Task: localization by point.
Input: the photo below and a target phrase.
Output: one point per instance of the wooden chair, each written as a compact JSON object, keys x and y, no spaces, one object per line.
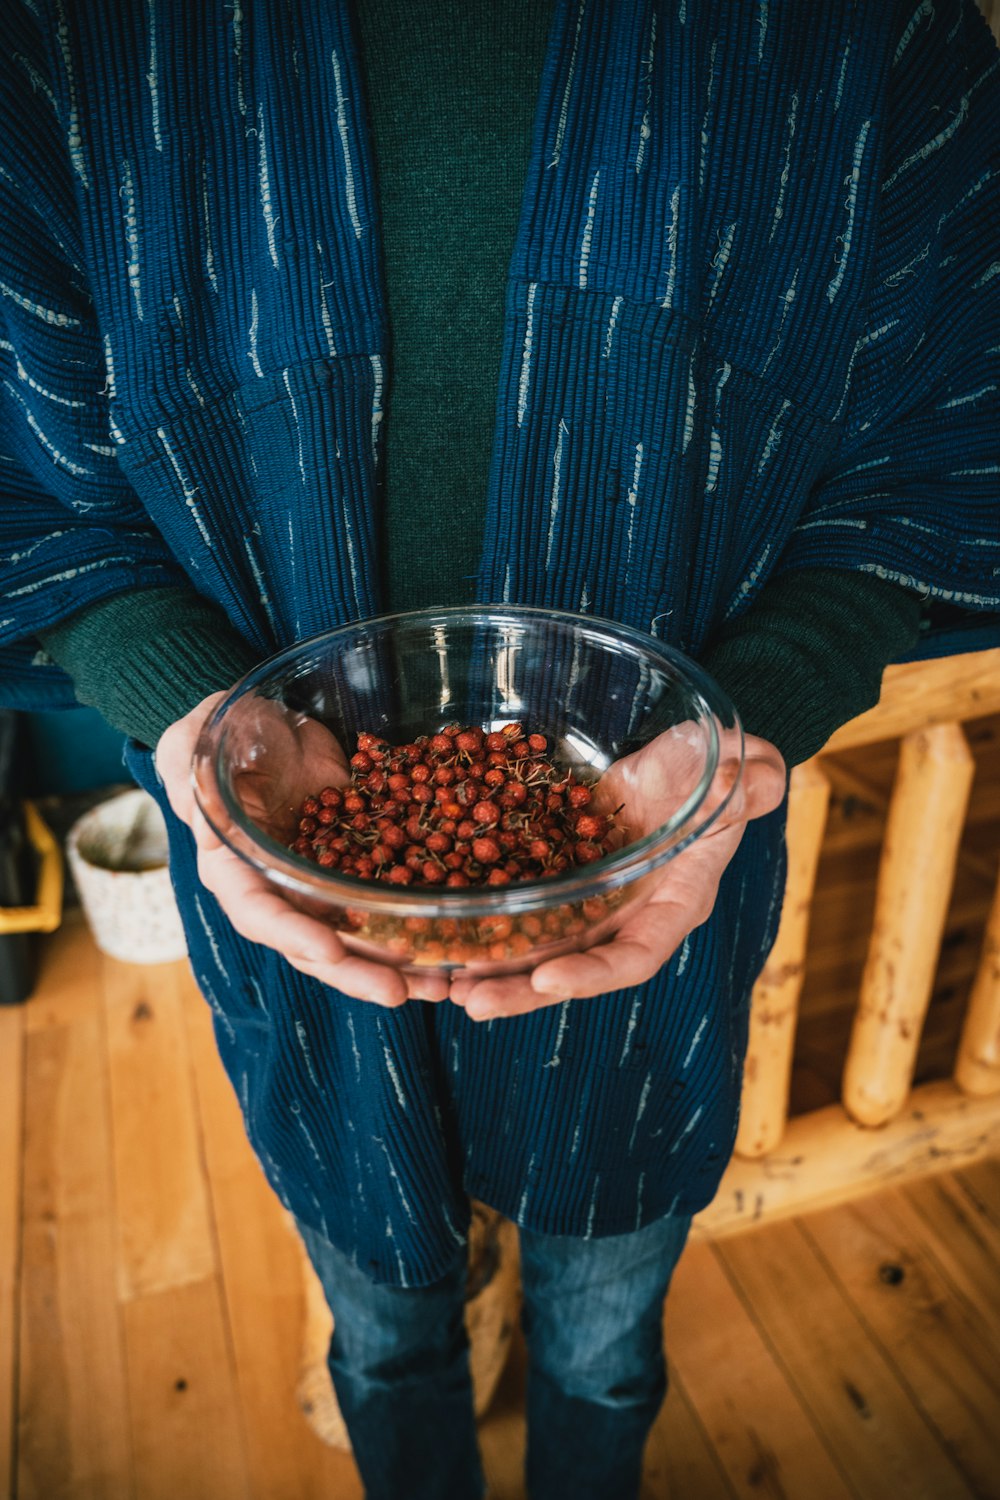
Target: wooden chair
{"x":883,"y":1129}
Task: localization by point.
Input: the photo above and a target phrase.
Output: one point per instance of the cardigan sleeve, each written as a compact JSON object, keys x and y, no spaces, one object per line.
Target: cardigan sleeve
{"x":913,"y":492}
{"x":71,"y":528}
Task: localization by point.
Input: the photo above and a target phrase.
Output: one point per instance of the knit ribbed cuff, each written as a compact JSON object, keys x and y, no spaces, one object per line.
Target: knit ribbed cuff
{"x":809,"y":654}
{"x":145,"y":659}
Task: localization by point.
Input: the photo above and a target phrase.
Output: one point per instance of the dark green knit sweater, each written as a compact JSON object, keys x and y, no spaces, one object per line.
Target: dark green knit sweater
{"x":452,"y":90}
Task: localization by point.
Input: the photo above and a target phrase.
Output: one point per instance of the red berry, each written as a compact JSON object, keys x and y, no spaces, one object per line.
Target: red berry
{"x":498,"y":877}
{"x":586,"y":853}
{"x":400,"y":875}
{"x":420,"y":772}
{"x":331,"y":796}
{"x":578,"y":795}
{"x":538,"y":743}
{"x":362,"y":761}
{"x":486,"y":851}
{"x":486,"y":812}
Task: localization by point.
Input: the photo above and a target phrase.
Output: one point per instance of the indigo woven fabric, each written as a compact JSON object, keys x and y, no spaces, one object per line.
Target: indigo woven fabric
{"x":750,"y":326}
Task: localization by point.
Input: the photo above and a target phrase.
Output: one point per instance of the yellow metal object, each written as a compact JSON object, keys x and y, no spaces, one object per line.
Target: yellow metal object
{"x":46,"y":914}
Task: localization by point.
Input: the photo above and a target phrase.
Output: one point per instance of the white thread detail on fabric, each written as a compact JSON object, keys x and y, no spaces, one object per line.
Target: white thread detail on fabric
{"x":786,"y":303}
{"x":612,"y":322}
{"x":555,"y":1060}
{"x":345,"y":146}
{"x":258,"y":578}
{"x":254,"y":324}
{"x":709,"y":90}
{"x":633,"y":1018}
{"x":589,"y":1235}
{"x":73,"y":136}
{"x":564,"y":108}
{"x":529,"y":333}
{"x":699,"y":1033}
{"x":132,"y":238}
{"x":47,"y":314}
{"x":188,"y":491}
{"x":643,"y":1101}
{"x":241,"y":103}
{"x":152,"y":78}
{"x":54,"y":453}
{"x":267,"y":208}
{"x":209,"y":256}
{"x":632,"y":498}
{"x":675,"y":201}
{"x":721,"y":259}
{"x":715,"y":439}
{"x":691,"y":403}
{"x":588,"y":231}
{"x":644,"y":128}
{"x":687,"y":1129}
{"x":324,"y":307}
{"x":298,"y":425}
{"x":556,"y":482}
{"x":779,"y":207}
{"x":852,"y":200}
{"x":924,"y":10}
{"x":843,"y":73}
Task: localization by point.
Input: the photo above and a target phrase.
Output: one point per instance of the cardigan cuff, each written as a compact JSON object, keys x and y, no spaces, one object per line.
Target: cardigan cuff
{"x":145,"y":659}
{"x":809,"y":654}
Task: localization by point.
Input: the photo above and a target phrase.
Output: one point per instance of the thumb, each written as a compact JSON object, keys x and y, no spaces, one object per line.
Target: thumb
{"x":765,"y":777}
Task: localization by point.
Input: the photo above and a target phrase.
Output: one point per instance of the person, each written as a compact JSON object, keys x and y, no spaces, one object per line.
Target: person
{"x":678,"y":314}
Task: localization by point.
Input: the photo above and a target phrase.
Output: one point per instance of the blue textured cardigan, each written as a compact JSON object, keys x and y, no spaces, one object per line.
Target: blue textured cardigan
{"x":752,"y":323}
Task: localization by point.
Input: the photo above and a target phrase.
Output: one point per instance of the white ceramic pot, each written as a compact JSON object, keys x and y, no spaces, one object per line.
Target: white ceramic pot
{"x":118,"y":855}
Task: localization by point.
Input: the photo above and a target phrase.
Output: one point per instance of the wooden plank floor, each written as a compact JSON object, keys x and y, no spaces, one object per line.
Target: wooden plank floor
{"x":151,"y":1308}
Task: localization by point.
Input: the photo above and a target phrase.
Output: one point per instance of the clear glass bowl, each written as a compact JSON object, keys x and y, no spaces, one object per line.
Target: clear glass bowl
{"x":636,"y":719}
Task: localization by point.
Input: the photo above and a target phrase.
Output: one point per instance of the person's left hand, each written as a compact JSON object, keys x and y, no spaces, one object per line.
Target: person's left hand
{"x":682,"y":896}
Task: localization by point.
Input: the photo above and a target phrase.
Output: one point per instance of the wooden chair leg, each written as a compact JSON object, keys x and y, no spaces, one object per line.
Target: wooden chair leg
{"x":977,"y":1070}
{"x":775,"y":1004}
{"x":926,"y":817}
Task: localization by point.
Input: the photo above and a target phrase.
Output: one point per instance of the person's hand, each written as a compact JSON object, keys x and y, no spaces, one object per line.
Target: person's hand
{"x":684,"y":891}
{"x":254,"y":907}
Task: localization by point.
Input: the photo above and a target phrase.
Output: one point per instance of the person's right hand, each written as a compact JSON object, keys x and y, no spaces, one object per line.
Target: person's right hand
{"x":254,"y":907}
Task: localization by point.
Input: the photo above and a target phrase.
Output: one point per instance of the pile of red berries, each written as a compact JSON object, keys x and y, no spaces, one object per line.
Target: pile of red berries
{"x":459,"y":808}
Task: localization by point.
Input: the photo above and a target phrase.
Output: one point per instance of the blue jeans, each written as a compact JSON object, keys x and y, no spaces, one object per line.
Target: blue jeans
{"x":596,"y":1375}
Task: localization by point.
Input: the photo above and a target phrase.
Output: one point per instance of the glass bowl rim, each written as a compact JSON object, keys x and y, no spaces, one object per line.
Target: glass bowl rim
{"x":282,"y":867}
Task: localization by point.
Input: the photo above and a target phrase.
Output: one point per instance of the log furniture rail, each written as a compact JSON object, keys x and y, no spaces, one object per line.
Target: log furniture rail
{"x":884,"y":1129}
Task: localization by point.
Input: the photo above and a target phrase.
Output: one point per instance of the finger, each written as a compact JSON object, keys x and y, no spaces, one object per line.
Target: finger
{"x":260,"y":915}
{"x":489,"y":999}
{"x":612,"y":966}
{"x":358,"y":978}
{"x":205,"y":836}
{"x":432,"y":987}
